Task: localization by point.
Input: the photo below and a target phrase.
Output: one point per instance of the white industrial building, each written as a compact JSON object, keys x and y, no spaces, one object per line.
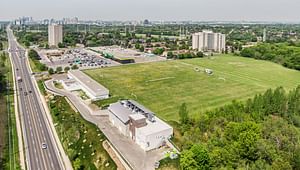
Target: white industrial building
{"x":80,"y":81}
{"x":55,"y":35}
{"x":208,"y":41}
{"x":140,"y":124}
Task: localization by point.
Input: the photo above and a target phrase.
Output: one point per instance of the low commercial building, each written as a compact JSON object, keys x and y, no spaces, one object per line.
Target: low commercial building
{"x":140,"y":124}
{"x":80,"y":81}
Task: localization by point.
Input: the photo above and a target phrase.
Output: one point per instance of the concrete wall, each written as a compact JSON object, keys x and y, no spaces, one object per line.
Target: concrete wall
{"x":195,"y":40}
{"x":152,"y":141}
{"x":92,"y":97}
{"x":124,"y":129}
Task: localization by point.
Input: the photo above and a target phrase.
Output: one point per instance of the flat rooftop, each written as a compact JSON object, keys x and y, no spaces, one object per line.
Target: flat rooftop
{"x":96,"y":88}
{"x":123,"y":113}
{"x":124,"y":54}
{"x":154,"y":127}
{"x":120,"y":111}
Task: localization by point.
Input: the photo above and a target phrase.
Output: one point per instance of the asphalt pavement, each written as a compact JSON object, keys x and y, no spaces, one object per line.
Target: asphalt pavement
{"x":36,"y":130}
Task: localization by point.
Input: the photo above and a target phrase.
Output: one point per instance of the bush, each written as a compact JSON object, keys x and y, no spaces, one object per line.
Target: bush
{"x":66,"y":69}
{"x":59,"y":69}
{"x":33,"y":55}
{"x":74,"y":67}
{"x":50,"y":71}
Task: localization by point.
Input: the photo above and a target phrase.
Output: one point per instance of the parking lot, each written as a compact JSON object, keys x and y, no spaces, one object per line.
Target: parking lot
{"x":83,"y":58}
{"x":122,"y":53}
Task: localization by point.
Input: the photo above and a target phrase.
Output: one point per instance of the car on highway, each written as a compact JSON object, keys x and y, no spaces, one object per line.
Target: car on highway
{"x":44,"y":146}
{"x":19,"y":79}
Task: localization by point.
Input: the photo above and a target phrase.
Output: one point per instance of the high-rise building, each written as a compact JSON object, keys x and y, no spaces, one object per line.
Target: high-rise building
{"x":264,"y":35}
{"x":208,"y":41}
{"x":55,"y":35}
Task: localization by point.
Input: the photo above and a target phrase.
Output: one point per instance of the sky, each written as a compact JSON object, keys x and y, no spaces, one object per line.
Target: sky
{"x":159,"y":10}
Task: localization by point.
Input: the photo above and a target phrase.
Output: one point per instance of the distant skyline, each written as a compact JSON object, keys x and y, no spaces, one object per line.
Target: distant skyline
{"x":196,"y":10}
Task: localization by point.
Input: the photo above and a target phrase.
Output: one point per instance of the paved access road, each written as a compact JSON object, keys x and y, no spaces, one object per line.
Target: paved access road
{"x":135,"y":157}
{"x":35,"y":127}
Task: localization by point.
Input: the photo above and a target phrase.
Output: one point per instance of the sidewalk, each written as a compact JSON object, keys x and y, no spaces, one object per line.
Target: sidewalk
{"x":136,"y":157}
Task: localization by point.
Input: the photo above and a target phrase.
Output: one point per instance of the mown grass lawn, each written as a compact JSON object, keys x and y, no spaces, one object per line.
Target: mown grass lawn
{"x":164,"y":86}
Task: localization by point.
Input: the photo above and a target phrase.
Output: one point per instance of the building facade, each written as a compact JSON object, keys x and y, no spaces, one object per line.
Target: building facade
{"x":55,"y":35}
{"x":209,"y":41}
{"x":139,"y":124}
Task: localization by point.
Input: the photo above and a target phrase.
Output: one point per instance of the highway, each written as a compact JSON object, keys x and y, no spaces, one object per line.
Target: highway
{"x":36,"y":130}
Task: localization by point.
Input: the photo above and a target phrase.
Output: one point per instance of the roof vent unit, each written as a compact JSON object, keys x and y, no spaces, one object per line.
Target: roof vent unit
{"x":123,"y":103}
{"x":150,"y":117}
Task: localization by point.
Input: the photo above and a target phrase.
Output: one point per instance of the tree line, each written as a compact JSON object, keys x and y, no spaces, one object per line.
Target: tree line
{"x":284,"y":54}
{"x":35,"y":57}
{"x":261,"y":133}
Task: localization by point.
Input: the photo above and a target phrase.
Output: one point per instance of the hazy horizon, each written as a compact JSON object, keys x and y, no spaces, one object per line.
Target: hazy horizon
{"x":175,"y":10}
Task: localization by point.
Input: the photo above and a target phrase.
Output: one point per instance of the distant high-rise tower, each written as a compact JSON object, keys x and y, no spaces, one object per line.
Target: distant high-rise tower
{"x":55,"y":35}
{"x":265,"y":35}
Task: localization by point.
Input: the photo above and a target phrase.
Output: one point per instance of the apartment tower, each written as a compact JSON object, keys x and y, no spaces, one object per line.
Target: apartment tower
{"x":55,"y":35}
{"x":208,"y":41}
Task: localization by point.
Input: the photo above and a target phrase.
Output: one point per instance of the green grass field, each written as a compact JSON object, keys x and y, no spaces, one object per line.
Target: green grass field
{"x":164,"y":86}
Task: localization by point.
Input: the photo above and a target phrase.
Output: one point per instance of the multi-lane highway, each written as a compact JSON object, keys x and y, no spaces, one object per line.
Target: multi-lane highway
{"x":40,"y":148}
